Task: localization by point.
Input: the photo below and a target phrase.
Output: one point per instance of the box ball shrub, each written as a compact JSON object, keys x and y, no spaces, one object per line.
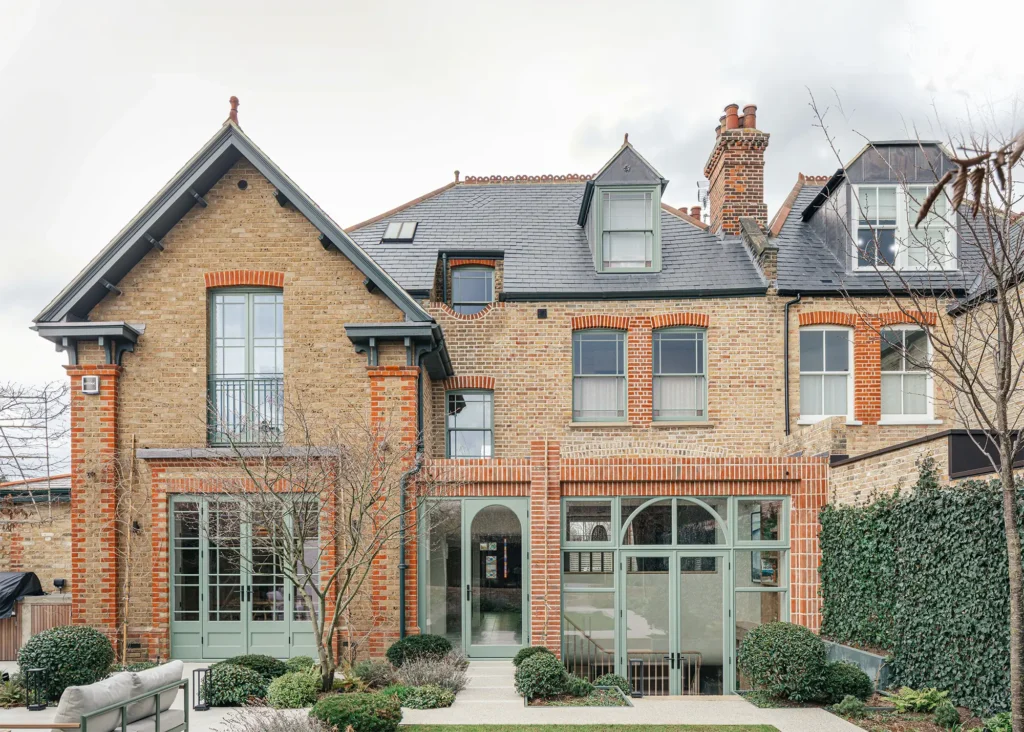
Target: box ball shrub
{"x":294,"y":690}
{"x":946,"y":715}
{"x":377,"y":712}
{"x":577,"y":686}
{"x":228,"y":685}
{"x":417,"y":646}
{"x":526,"y":652}
{"x":783,"y":660}
{"x":70,"y":655}
{"x":541,"y":675}
{"x":843,"y":679}
{"x":266,"y":666}
{"x":614,"y":680}
{"x":851,"y":707}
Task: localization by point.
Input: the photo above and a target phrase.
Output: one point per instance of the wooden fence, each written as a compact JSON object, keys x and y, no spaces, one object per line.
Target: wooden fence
{"x":32,"y":615}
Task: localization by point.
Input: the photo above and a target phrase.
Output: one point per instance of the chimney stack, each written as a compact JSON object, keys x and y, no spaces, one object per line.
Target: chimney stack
{"x":735,"y":172}
{"x":695,"y":212}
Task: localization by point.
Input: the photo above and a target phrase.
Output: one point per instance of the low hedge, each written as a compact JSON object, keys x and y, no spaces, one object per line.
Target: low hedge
{"x":614,"y":680}
{"x":70,"y":655}
{"x":923,"y":574}
{"x":417,"y":646}
{"x":228,"y":685}
{"x":376,"y":712}
{"x":266,"y":666}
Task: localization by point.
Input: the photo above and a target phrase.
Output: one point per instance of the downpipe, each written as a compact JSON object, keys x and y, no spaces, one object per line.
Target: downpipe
{"x":785,"y":358}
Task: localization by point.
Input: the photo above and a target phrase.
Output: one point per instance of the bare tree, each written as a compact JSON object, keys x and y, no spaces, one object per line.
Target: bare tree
{"x":976,"y":342}
{"x":323,"y":506}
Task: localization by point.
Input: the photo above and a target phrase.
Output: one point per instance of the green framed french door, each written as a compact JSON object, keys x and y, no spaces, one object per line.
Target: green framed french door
{"x":495,"y":562}
{"x":675,"y":609}
{"x":228,"y":593}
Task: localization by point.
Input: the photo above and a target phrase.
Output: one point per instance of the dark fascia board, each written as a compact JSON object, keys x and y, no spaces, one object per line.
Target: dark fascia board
{"x":872,"y":292}
{"x":475,"y":253}
{"x":86,"y":330}
{"x":823,"y":194}
{"x":896,"y":447}
{"x":427,"y":335}
{"x":176,"y":199}
{"x":636,"y":295}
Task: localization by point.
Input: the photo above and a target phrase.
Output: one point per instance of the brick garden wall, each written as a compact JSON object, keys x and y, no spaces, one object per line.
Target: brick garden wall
{"x":41,"y":544}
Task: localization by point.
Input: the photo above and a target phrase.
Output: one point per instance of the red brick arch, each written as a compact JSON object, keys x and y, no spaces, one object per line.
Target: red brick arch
{"x":828,"y":317}
{"x":915,"y":317}
{"x":469,"y":382}
{"x":614,"y":322}
{"x":241,"y":277}
{"x":476,"y":262}
{"x":668,"y":320}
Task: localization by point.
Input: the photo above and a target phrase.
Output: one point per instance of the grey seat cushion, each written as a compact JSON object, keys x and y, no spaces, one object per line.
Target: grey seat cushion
{"x":168,"y":720}
{"x":79,"y":700}
{"x":150,"y":680}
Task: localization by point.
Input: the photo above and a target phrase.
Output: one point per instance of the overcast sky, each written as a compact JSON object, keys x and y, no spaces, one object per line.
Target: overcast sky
{"x":369,"y":104}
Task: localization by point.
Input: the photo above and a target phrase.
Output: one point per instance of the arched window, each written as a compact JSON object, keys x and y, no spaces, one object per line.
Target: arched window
{"x":667,"y":521}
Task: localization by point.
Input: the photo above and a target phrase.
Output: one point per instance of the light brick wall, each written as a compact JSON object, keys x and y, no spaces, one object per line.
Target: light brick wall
{"x":41,"y":544}
{"x":860,"y":481}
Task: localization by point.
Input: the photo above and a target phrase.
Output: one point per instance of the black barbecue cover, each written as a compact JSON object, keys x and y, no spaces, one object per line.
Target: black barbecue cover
{"x":14,"y":585}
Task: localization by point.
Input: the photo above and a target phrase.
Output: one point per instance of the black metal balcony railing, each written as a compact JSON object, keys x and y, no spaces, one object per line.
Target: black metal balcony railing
{"x":246,"y":410}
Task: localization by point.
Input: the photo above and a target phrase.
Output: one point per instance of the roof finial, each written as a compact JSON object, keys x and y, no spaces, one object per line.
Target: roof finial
{"x":625,"y":139}
{"x":456,"y":176}
{"x":233,"y":114}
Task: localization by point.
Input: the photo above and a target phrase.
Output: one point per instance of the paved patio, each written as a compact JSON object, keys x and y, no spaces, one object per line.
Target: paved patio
{"x":491,"y":699}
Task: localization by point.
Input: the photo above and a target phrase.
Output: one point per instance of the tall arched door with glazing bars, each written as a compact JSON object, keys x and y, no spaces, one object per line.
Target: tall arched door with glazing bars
{"x":662,"y":590}
{"x":228,"y":593}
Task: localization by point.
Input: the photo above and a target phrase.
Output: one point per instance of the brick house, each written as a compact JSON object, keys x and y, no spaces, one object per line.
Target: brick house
{"x":639,"y":407}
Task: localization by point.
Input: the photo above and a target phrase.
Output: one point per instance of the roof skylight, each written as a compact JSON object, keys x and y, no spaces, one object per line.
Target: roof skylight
{"x":400,"y":231}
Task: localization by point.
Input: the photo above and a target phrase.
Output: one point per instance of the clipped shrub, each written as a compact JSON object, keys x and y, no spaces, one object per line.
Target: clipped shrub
{"x":785,"y":661}
{"x":266,"y":666}
{"x":301,"y":663}
{"x":417,"y":646}
{"x":448,"y":672}
{"x":912,"y":700}
{"x":541,"y":675}
{"x":843,"y":679}
{"x":12,"y":694}
{"x":375,"y":674}
{"x":614,"y":680}
{"x":294,"y":690}
{"x":402,"y":691}
{"x":374,"y":712}
{"x":576,"y":686}
{"x":526,"y":652}
{"x":70,"y":655}
{"x":851,"y":707}
{"x":430,"y":696}
{"x":1001,"y":722}
{"x":946,"y":715}
{"x":270,"y":720}
{"x":228,"y":685}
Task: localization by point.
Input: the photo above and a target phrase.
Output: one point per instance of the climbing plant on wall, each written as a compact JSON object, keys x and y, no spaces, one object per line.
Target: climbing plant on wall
{"x":923,"y":575}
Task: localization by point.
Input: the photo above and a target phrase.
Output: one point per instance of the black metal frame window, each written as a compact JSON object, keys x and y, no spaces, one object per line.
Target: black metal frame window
{"x":469,"y":424}
{"x":599,"y":376}
{"x":680,"y":374}
{"x":472,"y":289}
{"x":246,"y":381}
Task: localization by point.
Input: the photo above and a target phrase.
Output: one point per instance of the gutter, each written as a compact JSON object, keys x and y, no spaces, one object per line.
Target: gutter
{"x":785,"y":358}
{"x":635,"y":294}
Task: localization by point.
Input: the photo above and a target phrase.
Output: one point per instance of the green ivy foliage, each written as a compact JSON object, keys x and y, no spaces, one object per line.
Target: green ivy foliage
{"x":923,"y":574}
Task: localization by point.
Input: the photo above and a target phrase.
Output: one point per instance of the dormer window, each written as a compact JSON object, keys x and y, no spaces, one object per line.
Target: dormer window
{"x":400,"y":231}
{"x":627,"y":229}
{"x":886,"y":238}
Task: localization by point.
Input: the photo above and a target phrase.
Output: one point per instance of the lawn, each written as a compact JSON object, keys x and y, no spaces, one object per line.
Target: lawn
{"x":591,"y":727}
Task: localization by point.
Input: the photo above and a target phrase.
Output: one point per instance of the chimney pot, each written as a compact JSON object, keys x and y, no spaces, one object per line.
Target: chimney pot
{"x":233,"y":114}
{"x":732,"y":120}
{"x":695,"y":212}
{"x":750,"y":116}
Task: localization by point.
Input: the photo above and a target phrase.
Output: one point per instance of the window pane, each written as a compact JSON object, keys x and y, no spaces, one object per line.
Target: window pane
{"x":625,"y":210}
{"x":599,"y":397}
{"x":811,"y":395}
{"x":837,"y":350}
{"x":760,"y":520}
{"x":754,"y":609}
{"x":835,"y":395}
{"x":466,"y":443}
{"x":392,"y":231}
{"x":678,"y":396}
{"x":887,"y":206}
{"x":892,"y":349}
{"x":917,"y":350}
{"x":585,"y":570}
{"x":231,"y":316}
{"x":442,"y":602}
{"x":407,"y":231}
{"x":470,"y":410}
{"x":626,"y":249}
{"x":892,"y":394}
{"x":588,"y":520}
{"x":868,"y":206}
{"x":473,"y":286}
{"x":600,"y":353}
{"x":696,"y":525}
{"x":678,"y":353}
{"x":588,"y":633}
{"x":915,"y":394}
{"x":653,"y":525}
{"x":811,"y":350}
{"x":758,"y":569}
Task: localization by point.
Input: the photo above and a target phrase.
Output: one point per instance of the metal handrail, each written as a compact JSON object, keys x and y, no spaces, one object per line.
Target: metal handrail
{"x":245,"y":408}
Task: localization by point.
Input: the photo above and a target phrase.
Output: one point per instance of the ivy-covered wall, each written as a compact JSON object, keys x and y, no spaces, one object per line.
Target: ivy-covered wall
{"x":923,"y":575}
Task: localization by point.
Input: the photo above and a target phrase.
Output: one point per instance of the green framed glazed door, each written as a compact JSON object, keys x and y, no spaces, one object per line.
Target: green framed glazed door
{"x":268,"y":595}
{"x":225,"y":619}
{"x":702,"y":658}
{"x":187,"y":570}
{"x":649,"y":621}
{"x":495,"y":568}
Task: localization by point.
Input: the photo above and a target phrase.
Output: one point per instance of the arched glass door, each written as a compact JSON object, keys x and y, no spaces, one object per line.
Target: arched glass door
{"x":495,"y":561}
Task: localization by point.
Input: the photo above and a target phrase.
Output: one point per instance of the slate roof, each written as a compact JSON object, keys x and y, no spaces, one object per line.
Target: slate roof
{"x":807,"y":264}
{"x":534,"y":225}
